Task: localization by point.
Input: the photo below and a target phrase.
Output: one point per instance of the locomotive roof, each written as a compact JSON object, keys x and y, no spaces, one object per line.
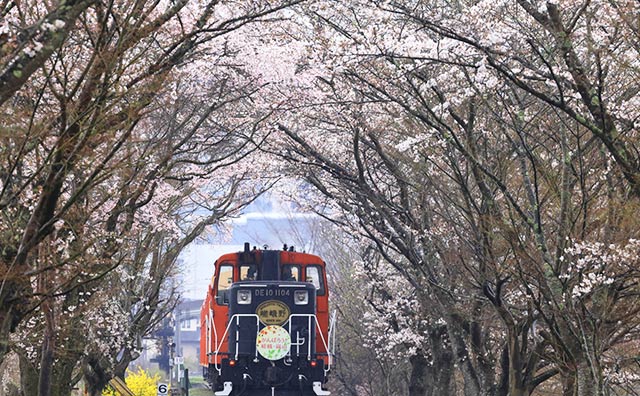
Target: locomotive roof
{"x":315,"y":259}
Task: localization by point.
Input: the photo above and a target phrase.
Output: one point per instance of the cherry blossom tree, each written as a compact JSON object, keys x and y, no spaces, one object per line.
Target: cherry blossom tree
{"x":464,"y":139}
{"x":121,"y":152}
{"x":372,"y":350}
{"x":486,"y":149}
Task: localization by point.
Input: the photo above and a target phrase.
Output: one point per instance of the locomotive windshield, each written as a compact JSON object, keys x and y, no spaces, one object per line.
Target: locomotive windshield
{"x":314,"y":275}
{"x":290,"y":273}
{"x":225,"y":279}
{"x":248,"y":272}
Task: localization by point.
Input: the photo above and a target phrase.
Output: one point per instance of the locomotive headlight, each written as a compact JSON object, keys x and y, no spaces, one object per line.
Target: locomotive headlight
{"x":244,"y":297}
{"x":301,"y":297}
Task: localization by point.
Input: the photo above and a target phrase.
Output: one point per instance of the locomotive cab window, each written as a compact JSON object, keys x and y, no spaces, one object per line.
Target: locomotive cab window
{"x":290,"y":273}
{"x":248,"y":272}
{"x":314,"y":275}
{"x":225,"y":279}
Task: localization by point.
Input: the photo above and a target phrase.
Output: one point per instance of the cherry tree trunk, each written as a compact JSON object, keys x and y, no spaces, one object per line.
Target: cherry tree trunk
{"x":28,"y":377}
{"x":441,"y":370}
{"x":11,"y":312}
{"x":48,"y":344}
{"x":5,"y":330}
{"x":419,"y":375}
{"x":568,"y":384}
{"x":517,"y":385}
{"x":62,"y":381}
{"x":472,"y":386}
{"x":587,"y":384}
{"x":432,"y":378}
{"x":95,"y":376}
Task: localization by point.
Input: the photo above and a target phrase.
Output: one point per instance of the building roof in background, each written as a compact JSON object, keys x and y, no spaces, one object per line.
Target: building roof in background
{"x":190,"y":305}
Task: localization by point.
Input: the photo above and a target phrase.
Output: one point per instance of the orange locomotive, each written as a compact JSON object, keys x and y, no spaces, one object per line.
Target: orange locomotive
{"x":265,"y":326}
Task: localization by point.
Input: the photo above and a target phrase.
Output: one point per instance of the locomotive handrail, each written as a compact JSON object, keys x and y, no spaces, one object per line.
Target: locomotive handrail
{"x":328,"y":346}
{"x":308,"y":316}
{"x":333,"y":324}
{"x":211,"y":325}
{"x":324,"y":342}
{"x":237,"y":318}
{"x":215,"y":332}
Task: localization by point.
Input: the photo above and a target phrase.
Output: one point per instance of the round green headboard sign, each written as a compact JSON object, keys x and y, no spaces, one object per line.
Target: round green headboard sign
{"x":273,"y":342}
